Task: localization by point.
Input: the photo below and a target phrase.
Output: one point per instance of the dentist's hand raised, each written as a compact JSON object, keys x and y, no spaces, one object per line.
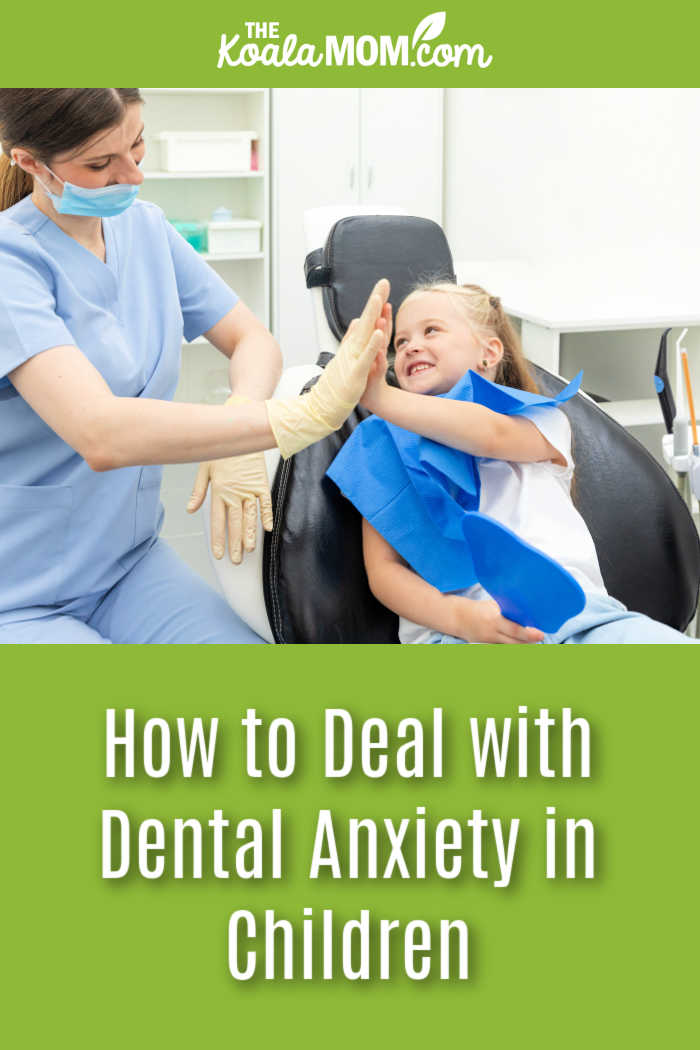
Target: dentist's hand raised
{"x":300,"y":421}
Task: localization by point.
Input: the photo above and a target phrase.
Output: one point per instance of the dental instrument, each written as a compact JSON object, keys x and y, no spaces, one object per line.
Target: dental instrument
{"x":663,"y":386}
{"x":676,"y":443}
{"x":680,"y":422}
{"x":691,"y":406}
{"x":694,"y":473}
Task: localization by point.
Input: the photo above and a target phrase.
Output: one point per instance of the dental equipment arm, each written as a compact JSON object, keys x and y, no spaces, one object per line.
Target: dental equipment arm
{"x":680,"y":422}
{"x":662,"y":384}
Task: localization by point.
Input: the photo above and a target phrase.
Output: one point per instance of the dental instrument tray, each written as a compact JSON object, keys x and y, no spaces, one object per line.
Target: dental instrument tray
{"x":360,"y":249}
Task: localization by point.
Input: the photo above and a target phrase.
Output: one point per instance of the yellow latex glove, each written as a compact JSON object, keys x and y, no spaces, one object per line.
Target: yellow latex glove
{"x":299,"y":421}
{"x":238,"y":484}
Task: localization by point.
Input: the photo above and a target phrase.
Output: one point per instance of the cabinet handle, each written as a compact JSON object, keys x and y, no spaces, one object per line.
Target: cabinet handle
{"x":370,"y":175}
{"x":352,"y":176}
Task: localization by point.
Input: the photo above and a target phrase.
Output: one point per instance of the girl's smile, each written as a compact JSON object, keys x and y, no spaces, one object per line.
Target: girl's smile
{"x":435,"y":344}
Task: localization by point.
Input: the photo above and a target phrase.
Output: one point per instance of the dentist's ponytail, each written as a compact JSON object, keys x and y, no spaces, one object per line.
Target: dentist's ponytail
{"x":14,"y":183}
{"x":49,"y":121}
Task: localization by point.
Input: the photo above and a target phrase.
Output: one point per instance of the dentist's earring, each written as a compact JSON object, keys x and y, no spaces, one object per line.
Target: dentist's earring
{"x":484,"y":364}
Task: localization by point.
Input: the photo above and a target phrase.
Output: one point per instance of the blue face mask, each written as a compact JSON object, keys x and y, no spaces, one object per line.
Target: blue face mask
{"x":102,"y":202}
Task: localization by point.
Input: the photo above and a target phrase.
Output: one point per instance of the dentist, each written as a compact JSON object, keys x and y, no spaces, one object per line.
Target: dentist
{"x":96,"y":292}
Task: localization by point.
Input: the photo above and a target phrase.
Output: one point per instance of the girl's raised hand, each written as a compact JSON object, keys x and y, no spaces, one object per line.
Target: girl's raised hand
{"x":385,"y":322}
{"x":376,"y":380}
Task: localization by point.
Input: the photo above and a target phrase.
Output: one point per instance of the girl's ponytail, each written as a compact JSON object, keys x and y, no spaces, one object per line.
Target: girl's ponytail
{"x":513,"y":368}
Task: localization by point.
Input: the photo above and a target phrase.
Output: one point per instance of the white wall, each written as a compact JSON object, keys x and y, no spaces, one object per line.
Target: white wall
{"x":608,"y":173}
{"x":608,"y":177}
{"x":345,"y":147}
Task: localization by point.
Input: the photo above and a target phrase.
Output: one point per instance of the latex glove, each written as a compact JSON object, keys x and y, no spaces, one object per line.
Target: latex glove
{"x":298,"y":422}
{"x":238,"y":484}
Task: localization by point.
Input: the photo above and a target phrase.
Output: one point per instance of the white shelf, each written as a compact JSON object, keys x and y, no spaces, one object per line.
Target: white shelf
{"x":231,"y":256}
{"x":185,"y":194}
{"x":203,"y":174}
{"x":641,"y":413}
{"x":204,"y":91}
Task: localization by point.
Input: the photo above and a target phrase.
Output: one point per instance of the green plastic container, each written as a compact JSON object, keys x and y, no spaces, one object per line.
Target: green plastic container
{"x":195,"y":233}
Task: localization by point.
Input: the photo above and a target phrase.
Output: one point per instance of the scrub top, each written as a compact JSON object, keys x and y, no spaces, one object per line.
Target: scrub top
{"x":65,"y":531}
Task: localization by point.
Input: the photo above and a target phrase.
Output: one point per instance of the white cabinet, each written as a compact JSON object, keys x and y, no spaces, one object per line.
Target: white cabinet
{"x":193,"y":196}
{"x":345,"y":146}
{"x":401,"y":149}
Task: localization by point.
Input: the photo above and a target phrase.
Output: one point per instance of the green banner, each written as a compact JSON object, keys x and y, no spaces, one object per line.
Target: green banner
{"x":562,"y":849}
{"x":509,"y":44}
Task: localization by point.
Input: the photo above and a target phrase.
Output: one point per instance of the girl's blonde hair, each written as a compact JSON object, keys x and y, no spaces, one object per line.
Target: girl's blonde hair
{"x":487,"y":318}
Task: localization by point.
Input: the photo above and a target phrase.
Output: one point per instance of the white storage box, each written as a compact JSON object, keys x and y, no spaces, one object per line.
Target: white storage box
{"x":239,"y":236}
{"x":215,"y":151}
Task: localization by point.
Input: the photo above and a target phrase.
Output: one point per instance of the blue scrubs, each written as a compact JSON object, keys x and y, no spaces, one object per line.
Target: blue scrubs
{"x":70,"y":538}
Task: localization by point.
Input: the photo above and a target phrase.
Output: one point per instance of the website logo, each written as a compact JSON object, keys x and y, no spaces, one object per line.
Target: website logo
{"x":261,"y":44}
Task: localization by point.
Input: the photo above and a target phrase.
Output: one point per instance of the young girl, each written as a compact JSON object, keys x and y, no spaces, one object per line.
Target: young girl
{"x":525,"y":469}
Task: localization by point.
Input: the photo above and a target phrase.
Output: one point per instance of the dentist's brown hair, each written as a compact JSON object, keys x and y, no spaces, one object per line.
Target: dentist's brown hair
{"x":49,"y":121}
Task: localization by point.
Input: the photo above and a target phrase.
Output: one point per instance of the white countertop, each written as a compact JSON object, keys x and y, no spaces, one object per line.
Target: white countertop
{"x":587,"y":295}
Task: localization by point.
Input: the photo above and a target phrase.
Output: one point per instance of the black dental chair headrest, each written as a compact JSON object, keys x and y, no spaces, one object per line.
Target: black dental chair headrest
{"x":361,"y":249}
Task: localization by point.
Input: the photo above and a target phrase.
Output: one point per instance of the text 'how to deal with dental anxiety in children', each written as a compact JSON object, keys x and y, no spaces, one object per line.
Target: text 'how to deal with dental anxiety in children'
{"x":420,"y":845}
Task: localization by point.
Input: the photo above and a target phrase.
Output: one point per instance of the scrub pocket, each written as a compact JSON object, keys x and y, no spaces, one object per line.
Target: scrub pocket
{"x":34,"y":522}
{"x":149,"y":513}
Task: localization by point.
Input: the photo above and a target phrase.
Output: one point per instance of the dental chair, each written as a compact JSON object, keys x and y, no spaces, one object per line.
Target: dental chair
{"x":306,"y":582}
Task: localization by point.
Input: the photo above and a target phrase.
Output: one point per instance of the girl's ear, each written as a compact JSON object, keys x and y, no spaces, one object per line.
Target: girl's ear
{"x":493,"y":351}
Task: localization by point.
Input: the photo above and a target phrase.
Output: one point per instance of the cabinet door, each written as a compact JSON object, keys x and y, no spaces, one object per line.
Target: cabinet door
{"x":315,"y":156}
{"x":402,"y":149}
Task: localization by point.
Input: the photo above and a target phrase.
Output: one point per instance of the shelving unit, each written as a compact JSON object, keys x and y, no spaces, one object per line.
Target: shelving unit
{"x":193,"y":196}
{"x":205,"y":174}
{"x":238,"y":257}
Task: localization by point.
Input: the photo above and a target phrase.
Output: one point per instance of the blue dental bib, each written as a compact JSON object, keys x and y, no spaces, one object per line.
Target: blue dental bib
{"x":423,"y":498}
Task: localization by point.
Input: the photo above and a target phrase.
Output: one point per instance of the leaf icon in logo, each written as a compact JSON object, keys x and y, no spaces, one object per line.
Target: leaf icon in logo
{"x":430,"y":27}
